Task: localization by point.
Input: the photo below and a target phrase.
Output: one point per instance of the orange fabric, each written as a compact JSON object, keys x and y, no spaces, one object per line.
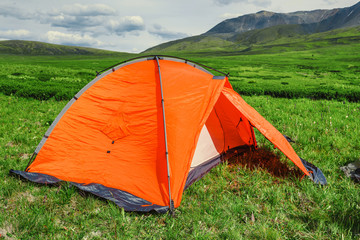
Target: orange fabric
{"x":190,"y":96}
{"x":113,"y":134}
{"x":236,"y":128}
{"x":268,"y":130}
{"x":228,"y":127}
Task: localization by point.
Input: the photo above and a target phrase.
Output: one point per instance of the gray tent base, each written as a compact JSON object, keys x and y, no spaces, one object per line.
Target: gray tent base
{"x":133,"y":203}
{"x":121,"y":198}
{"x":316,"y":175}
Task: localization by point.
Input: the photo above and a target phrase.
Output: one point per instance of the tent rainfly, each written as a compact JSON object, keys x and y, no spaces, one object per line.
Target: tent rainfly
{"x":143,"y":131}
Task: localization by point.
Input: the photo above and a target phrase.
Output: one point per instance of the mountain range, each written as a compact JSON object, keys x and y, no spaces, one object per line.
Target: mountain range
{"x":265,"y":26}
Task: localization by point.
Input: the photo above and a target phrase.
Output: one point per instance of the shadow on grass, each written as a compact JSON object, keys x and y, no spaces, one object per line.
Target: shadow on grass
{"x":265,"y":159}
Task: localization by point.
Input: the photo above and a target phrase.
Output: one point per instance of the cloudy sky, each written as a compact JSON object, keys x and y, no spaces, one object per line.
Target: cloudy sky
{"x":131,"y":25}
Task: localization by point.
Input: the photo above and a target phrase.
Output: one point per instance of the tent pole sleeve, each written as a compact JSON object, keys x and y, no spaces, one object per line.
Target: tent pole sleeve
{"x":171,"y":202}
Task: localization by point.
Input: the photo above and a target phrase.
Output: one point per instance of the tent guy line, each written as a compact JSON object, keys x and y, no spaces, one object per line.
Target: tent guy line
{"x":143,"y":131}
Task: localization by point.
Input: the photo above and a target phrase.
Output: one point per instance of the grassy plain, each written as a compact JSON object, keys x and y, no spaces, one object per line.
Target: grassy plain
{"x":331,"y":72}
{"x":244,"y":198}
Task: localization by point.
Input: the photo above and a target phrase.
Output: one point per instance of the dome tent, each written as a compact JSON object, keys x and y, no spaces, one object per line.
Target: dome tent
{"x":144,"y":130}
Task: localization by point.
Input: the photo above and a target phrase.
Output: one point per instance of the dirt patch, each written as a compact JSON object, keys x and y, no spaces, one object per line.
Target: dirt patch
{"x":6,"y":232}
{"x":24,"y":156}
{"x":265,"y":159}
{"x":10,"y":144}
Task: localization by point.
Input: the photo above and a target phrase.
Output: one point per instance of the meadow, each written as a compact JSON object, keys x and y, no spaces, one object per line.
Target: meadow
{"x":311,"y":96}
{"x":330,"y":72}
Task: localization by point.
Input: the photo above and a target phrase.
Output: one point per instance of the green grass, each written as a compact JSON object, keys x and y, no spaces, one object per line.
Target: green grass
{"x":48,"y":77}
{"x":232,"y":201}
{"x":244,"y":198}
{"x":321,"y":73}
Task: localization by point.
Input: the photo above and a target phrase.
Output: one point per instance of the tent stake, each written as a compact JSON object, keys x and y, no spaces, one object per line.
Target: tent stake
{"x":171,"y":202}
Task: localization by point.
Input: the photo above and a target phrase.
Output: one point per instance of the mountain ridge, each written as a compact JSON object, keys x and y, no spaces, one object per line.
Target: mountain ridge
{"x":242,"y":31}
{"x":264,"y":19}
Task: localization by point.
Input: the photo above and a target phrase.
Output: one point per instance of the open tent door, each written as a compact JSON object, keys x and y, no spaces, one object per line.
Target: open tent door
{"x":273,"y":135}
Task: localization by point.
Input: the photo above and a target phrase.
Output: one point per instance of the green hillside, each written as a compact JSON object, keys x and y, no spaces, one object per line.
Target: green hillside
{"x":33,"y":48}
{"x":214,"y":42}
{"x":289,"y":37}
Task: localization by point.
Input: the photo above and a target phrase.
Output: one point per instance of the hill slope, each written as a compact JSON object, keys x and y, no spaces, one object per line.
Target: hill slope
{"x":265,"y":19}
{"x":289,"y":37}
{"x":263,"y":28}
{"x":317,"y":20}
{"x":40,"y":48}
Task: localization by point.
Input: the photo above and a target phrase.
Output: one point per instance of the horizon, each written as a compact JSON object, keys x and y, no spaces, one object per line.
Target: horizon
{"x":123,"y":27}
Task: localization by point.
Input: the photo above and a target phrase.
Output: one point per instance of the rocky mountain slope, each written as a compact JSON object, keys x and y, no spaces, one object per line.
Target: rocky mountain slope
{"x":264,"y":26}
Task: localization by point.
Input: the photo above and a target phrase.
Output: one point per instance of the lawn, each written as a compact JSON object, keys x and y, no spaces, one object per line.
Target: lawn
{"x":246,"y":197}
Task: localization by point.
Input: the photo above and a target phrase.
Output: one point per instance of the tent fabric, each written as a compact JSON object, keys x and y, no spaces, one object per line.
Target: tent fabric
{"x":120,"y":198}
{"x":110,"y":140}
{"x":268,"y":130}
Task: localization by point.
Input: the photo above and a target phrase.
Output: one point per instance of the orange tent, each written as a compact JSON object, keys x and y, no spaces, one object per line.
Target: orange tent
{"x":144,"y":130}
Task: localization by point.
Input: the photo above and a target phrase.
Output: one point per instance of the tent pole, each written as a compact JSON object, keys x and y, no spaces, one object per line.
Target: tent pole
{"x":171,"y":202}
{"x":30,"y":161}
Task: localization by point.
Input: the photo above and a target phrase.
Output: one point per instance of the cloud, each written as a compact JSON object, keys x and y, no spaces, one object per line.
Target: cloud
{"x":230,"y":15}
{"x":158,"y":30}
{"x":15,"y":13}
{"x":15,"y":34}
{"x":78,"y":17}
{"x":74,"y":23}
{"x":126,"y":24}
{"x":330,"y":1}
{"x":72,"y":39}
{"x":85,"y":10}
{"x":260,"y":3}
{"x":97,"y":19}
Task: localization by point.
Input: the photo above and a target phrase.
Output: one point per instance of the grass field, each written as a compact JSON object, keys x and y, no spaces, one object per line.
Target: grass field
{"x":244,"y":198}
{"x":331,"y":72}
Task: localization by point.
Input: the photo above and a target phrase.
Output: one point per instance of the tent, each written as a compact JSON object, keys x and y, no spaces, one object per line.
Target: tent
{"x":143,"y":131}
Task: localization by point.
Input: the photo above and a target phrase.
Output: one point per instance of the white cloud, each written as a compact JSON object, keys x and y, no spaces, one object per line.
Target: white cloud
{"x":126,"y":24}
{"x":8,"y":11}
{"x":78,"y":17}
{"x":85,"y":10}
{"x":15,"y":34}
{"x":262,"y":3}
{"x":74,"y":23}
{"x":158,"y":30}
{"x":230,"y":15}
{"x":227,"y":2}
{"x":97,"y":19}
{"x":72,"y":39}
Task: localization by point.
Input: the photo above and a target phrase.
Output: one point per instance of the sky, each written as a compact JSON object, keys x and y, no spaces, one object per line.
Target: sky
{"x":131,"y":25}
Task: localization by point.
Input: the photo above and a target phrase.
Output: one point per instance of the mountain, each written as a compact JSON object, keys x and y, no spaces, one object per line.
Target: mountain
{"x":265,"y":19}
{"x":264,"y":27}
{"x":39,"y":48}
{"x":344,"y":17}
